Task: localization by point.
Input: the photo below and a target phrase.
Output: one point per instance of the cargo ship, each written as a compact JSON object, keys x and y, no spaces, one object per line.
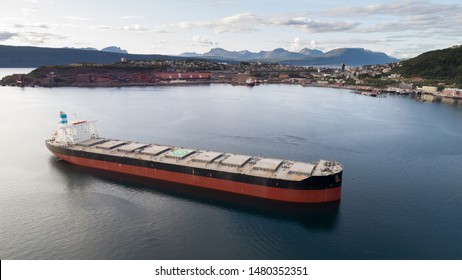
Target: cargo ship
{"x":78,"y":142}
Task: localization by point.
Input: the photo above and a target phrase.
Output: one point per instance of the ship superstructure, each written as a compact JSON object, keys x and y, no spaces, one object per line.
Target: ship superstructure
{"x":72,"y":133}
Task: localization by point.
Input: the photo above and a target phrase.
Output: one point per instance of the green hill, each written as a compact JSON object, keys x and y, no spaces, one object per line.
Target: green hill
{"x":445,"y":65}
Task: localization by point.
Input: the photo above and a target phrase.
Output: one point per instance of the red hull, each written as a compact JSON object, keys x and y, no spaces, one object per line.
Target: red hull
{"x":280,"y":194}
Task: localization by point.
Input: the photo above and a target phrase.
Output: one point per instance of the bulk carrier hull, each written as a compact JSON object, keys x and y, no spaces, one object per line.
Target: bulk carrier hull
{"x":310,"y":190}
{"x":273,"y":179}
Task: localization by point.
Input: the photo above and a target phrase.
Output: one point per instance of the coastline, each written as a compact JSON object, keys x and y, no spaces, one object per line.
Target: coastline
{"x":117,"y":76}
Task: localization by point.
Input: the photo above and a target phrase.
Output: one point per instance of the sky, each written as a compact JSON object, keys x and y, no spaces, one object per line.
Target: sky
{"x":402,"y":29}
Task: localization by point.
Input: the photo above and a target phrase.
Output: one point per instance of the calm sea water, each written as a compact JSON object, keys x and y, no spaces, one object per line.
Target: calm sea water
{"x":401,"y":198}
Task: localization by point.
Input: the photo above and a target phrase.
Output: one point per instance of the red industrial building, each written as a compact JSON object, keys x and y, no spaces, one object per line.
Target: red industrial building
{"x":183,"y":75}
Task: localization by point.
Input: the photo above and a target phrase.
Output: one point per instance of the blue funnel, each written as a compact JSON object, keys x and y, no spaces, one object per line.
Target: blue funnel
{"x":63,"y":117}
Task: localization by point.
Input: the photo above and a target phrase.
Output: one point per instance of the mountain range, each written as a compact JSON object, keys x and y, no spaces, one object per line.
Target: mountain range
{"x":274,"y":55}
{"x":113,"y":49}
{"x":305,"y":57}
{"x":22,"y":56}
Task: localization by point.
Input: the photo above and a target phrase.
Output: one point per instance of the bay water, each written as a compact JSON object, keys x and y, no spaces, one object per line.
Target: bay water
{"x":401,"y":193}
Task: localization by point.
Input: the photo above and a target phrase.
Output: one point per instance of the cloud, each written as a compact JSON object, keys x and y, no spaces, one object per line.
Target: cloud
{"x":409,"y":51}
{"x":244,"y":22}
{"x":135,"y":27}
{"x":31,"y":25}
{"x":73,"y":25}
{"x":28,"y":11}
{"x":12,"y":19}
{"x":102,"y":27}
{"x":410,"y":15}
{"x":433,"y":25}
{"x":201,"y":41}
{"x":165,"y":44}
{"x":37,"y":37}
{"x":297,"y":44}
{"x":247,"y":22}
{"x":238,"y":23}
{"x":313,"y":26}
{"x":130,"y":17}
{"x":39,"y":1}
{"x":75,"y":18}
{"x":223,"y":3}
{"x":313,"y":44}
{"x":4,"y":35}
{"x":401,"y":8}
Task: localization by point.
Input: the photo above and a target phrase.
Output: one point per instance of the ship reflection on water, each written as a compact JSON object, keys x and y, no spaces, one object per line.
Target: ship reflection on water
{"x":322,"y":216}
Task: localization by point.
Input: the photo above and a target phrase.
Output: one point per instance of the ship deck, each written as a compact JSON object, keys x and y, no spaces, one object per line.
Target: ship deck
{"x":218,"y":161}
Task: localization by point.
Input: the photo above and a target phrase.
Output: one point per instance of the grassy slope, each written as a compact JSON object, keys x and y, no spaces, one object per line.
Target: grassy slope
{"x":437,"y":65}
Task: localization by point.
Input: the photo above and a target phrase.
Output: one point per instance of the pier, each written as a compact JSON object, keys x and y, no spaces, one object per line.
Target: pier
{"x":439,"y":98}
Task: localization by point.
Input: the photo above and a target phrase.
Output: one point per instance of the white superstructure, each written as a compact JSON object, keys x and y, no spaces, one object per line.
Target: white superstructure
{"x":74,"y":132}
